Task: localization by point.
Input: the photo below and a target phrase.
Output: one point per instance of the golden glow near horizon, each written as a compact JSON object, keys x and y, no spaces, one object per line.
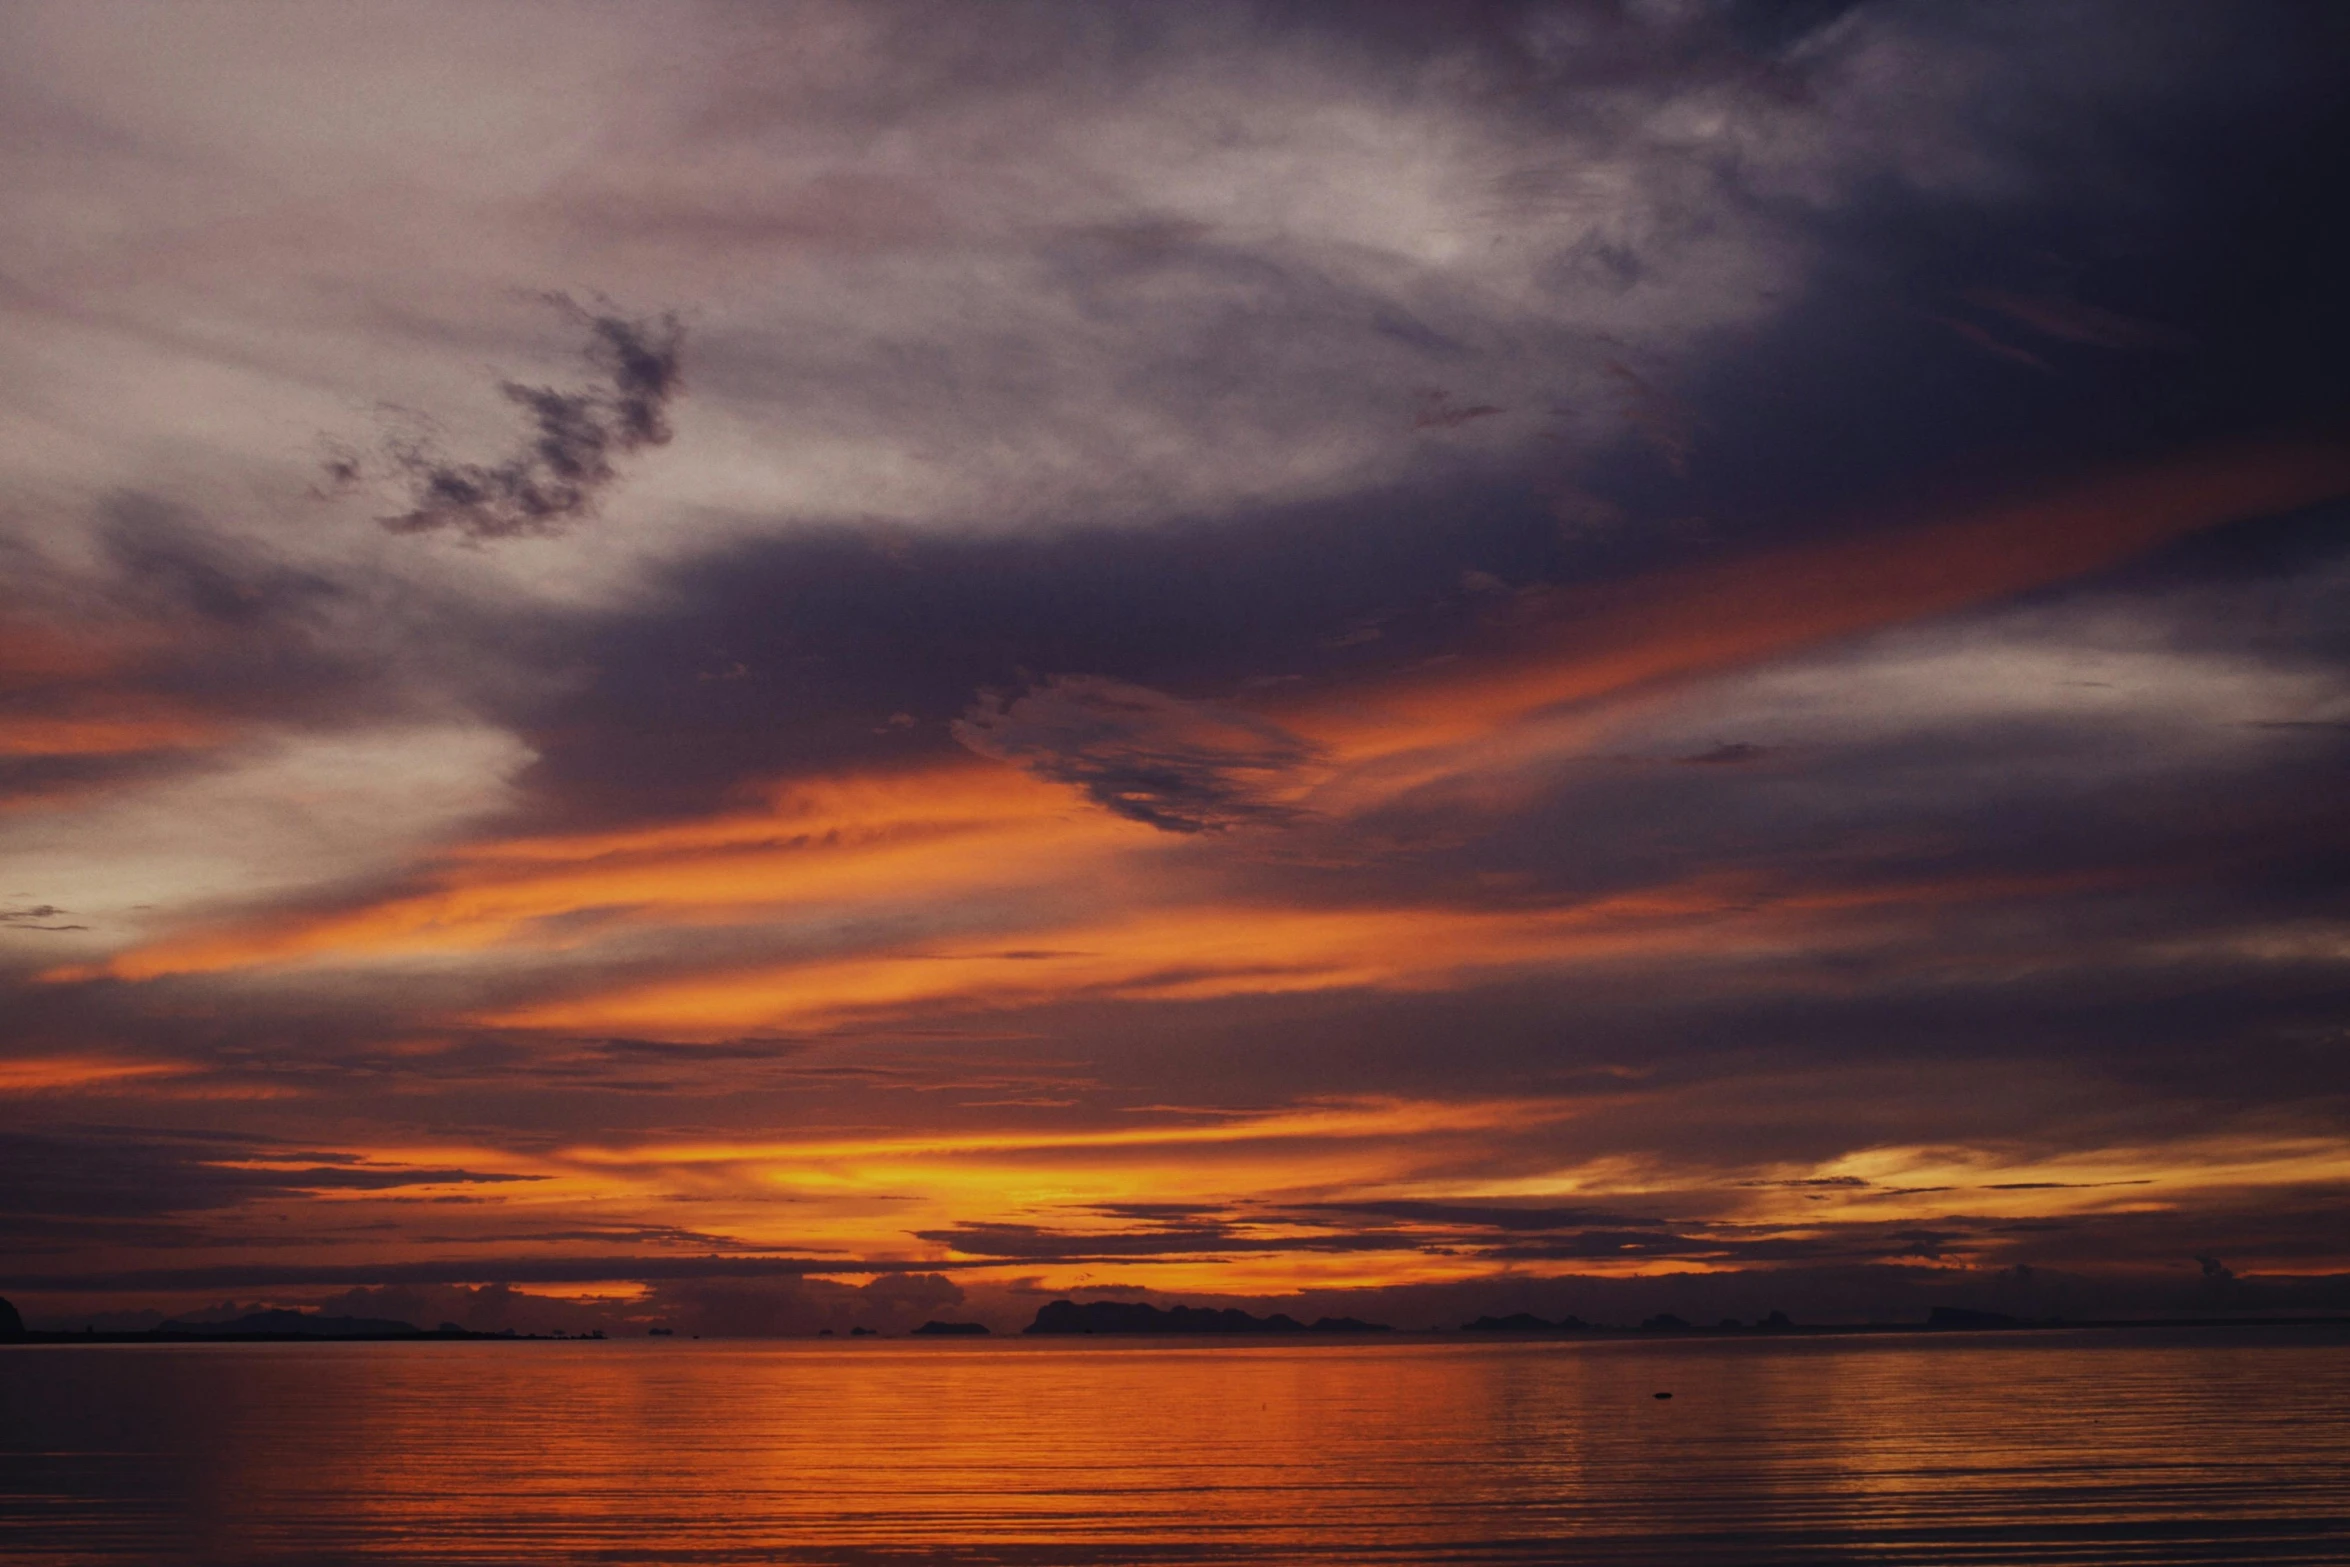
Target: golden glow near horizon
{"x":1259,"y":1191}
{"x":836,"y":917}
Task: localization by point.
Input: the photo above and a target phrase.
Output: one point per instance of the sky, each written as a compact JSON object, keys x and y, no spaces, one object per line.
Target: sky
{"x":775,"y":667}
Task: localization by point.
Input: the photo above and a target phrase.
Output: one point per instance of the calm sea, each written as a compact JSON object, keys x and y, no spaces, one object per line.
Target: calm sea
{"x":2142,"y":1447}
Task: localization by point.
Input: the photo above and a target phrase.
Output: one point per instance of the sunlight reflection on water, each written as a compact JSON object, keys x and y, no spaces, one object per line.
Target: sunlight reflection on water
{"x":2142,"y":1447}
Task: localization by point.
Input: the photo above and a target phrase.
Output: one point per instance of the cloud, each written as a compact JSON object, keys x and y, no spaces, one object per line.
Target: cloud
{"x":1180,"y":766}
{"x":478,"y":1269}
{"x":37,"y":1074}
{"x":2073,"y":322}
{"x":1032,"y":1243}
{"x":718,"y":1308}
{"x":92,"y":1185}
{"x":1734,"y":753}
{"x":1504,"y":1217}
{"x":705,"y":1308}
{"x":41,"y":916}
{"x":302,"y":808}
{"x":387,"y":827}
{"x":575,"y":436}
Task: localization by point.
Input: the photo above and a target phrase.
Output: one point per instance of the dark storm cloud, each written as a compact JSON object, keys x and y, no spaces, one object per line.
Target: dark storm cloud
{"x":1806,"y":421}
{"x":1841,"y":392}
{"x":574,"y":438}
{"x":125,"y":1187}
{"x":1179,"y":766}
{"x":791,"y":654}
{"x":2145,"y":258}
{"x":103,"y":1175}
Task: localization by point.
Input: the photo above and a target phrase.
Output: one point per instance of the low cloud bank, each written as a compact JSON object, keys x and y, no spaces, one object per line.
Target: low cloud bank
{"x":899,"y":1303}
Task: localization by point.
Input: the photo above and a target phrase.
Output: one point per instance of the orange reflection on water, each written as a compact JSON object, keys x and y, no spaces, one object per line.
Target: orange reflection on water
{"x":2031,"y":1447}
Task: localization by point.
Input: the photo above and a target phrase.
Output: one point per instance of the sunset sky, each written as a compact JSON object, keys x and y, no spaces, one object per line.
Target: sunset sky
{"x":774,"y":667}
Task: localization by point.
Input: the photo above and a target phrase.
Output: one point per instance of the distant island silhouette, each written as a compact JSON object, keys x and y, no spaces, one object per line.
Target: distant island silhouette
{"x":1962,"y":1317}
{"x":1111,"y":1317}
{"x":273,"y":1326}
{"x":1525,"y":1322}
{"x":1118,"y":1316}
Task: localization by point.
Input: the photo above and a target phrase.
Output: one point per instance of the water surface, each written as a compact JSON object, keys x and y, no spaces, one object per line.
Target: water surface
{"x":2141,"y":1447}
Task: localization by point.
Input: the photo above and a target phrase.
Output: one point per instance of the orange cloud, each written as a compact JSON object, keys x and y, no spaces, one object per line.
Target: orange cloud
{"x":58,"y":1074}
{"x":31,"y":654}
{"x":1340,"y":1120}
{"x":854,"y":1193}
{"x":836,"y":842}
{"x":862,"y":1196}
{"x":959,"y":832}
{"x":1203,"y":952}
{"x":54,"y":709}
{"x":104,"y":734}
{"x":1602,"y":642}
{"x":1907,"y":1182}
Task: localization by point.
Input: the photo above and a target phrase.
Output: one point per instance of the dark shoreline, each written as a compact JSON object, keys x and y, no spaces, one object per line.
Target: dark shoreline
{"x":185,"y":1336}
{"x":1464,"y":1335}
